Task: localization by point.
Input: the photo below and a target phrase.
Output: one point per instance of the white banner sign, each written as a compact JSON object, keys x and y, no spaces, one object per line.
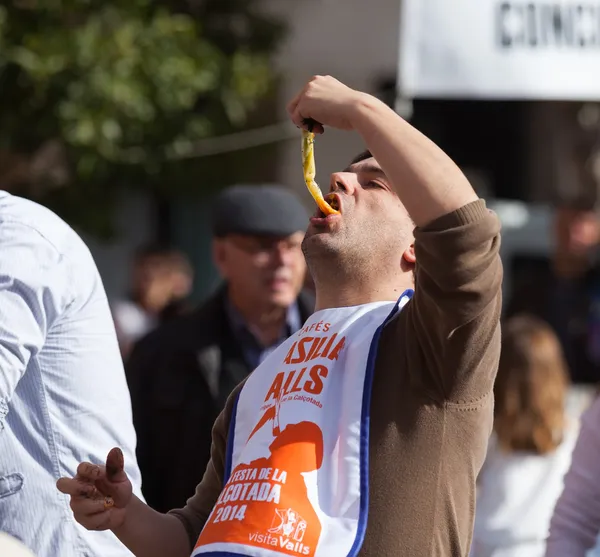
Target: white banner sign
{"x":500,"y":50}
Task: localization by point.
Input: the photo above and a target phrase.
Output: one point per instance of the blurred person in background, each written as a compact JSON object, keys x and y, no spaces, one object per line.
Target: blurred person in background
{"x":182,"y":278}
{"x":63,"y":393}
{"x":160,"y":283}
{"x":567,"y":295}
{"x":575,"y":525}
{"x":531,"y":446}
{"x":181,"y":374}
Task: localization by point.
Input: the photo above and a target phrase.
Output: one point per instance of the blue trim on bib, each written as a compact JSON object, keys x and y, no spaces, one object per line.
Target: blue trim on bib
{"x":230,"y":440}
{"x":221,"y":554}
{"x":365,"y":430}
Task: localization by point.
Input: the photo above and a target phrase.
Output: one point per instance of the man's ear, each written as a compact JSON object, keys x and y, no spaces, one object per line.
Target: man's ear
{"x":409,"y":255}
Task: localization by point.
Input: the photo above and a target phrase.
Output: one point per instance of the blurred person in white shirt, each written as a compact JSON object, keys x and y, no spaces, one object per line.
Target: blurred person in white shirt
{"x":575,"y":525}
{"x":160,"y":283}
{"x":63,"y":392}
{"x":531,"y":445}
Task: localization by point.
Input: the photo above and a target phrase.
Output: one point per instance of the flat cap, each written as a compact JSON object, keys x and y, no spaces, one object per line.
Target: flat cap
{"x":263,"y":210}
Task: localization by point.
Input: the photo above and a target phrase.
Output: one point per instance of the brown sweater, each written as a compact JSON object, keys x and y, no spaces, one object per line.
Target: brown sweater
{"x":432,"y":405}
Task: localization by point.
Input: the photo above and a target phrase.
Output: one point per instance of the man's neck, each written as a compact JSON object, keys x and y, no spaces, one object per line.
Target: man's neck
{"x":265,"y":322}
{"x":353,"y":294}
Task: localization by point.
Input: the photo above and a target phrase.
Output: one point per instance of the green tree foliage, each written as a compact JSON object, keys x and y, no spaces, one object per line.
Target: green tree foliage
{"x":98,"y":95}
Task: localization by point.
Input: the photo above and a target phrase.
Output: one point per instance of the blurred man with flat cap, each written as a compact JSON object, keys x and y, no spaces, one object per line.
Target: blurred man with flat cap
{"x":181,"y":374}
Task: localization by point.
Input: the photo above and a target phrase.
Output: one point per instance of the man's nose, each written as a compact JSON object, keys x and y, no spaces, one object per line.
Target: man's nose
{"x":344,"y":182}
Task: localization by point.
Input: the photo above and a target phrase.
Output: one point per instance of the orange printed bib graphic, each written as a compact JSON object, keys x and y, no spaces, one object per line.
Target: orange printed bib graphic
{"x":298,"y":445}
{"x":265,"y":502}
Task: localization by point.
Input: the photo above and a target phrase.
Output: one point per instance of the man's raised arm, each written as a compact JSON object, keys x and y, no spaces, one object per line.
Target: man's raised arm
{"x":427,"y":181}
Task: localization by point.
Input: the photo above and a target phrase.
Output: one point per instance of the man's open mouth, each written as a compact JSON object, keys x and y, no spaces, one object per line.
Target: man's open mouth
{"x":333,"y":201}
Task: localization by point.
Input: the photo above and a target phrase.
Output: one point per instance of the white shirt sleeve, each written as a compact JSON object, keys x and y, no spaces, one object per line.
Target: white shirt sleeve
{"x":33,"y":286}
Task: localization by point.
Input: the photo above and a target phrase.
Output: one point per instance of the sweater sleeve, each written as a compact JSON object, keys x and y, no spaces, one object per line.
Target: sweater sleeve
{"x":453,"y":318}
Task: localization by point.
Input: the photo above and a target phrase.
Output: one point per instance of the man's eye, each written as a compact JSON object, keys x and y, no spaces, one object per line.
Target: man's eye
{"x":373,"y":184}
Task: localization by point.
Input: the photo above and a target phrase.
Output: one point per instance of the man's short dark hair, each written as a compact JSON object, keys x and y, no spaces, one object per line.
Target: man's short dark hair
{"x":362,"y":157}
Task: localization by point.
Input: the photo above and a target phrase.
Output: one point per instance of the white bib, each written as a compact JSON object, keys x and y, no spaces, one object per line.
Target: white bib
{"x":296,"y":475}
